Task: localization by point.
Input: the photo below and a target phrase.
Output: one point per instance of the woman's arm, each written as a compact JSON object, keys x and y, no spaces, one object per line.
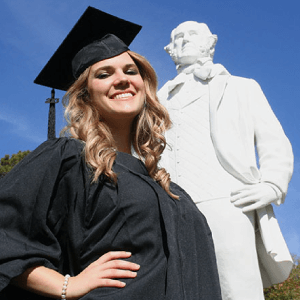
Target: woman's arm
{"x":101,"y":273}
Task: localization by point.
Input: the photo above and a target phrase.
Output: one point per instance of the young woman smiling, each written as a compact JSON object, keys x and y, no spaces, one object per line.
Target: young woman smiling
{"x":94,"y":205}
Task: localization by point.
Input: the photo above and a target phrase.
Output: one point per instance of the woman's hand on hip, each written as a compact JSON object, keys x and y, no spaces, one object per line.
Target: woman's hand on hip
{"x":104,"y":272}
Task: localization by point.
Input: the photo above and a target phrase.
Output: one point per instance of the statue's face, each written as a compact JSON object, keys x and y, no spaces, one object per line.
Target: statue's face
{"x":190,"y":42}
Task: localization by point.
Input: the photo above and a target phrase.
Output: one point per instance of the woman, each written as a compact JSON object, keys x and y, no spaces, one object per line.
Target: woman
{"x":112,"y":221}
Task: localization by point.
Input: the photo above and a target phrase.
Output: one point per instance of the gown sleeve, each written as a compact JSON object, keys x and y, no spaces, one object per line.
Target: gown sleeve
{"x":31,"y":216}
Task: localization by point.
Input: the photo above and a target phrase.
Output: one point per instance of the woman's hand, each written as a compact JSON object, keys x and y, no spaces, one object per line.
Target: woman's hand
{"x":104,"y":272}
{"x":253,"y":196}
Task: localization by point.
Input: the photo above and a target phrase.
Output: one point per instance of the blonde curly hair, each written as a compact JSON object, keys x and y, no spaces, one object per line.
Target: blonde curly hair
{"x":84,"y":123}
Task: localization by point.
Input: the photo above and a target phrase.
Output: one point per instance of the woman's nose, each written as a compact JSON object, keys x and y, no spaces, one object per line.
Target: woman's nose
{"x":121,"y":79}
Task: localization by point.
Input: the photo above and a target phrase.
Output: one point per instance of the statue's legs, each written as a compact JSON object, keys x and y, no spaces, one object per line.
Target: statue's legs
{"x":234,"y":238}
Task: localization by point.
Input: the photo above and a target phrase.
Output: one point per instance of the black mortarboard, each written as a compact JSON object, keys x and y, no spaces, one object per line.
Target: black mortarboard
{"x":96,"y":36}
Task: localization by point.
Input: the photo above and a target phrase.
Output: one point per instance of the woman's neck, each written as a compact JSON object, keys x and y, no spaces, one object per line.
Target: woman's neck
{"x":122,"y":136}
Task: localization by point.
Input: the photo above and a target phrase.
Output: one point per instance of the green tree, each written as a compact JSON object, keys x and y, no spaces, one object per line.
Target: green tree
{"x":289,"y":289}
{"x":7,"y":162}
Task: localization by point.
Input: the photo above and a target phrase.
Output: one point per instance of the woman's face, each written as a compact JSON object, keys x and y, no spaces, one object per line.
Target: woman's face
{"x":117,"y":87}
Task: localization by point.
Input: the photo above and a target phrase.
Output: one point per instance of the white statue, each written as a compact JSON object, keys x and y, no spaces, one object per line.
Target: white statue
{"x":219,"y":122}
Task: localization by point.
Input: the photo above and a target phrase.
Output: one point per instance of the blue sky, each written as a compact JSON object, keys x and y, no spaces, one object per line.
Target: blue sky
{"x":258,"y":39}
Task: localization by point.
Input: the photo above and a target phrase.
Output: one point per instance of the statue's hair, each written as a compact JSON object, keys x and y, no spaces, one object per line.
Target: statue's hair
{"x":213,"y":38}
{"x":84,"y":123}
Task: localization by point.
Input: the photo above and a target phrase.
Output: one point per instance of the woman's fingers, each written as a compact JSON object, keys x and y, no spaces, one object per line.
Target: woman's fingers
{"x":113,"y":255}
{"x":110,"y":263}
{"x":111,"y":283}
{"x":117,"y":273}
{"x":119,"y":264}
{"x":114,"y":260}
{"x":104,"y":272}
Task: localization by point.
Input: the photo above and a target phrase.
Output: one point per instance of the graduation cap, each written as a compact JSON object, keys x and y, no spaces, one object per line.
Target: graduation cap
{"x":96,"y":36}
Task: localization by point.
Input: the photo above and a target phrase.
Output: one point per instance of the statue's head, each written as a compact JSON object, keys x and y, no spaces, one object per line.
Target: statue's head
{"x":190,"y":41}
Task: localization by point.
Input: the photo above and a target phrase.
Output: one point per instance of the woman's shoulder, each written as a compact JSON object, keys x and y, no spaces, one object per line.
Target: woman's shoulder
{"x":52,"y":159}
{"x":62,"y":144}
{"x":63,"y":147}
{"x":50,"y":154}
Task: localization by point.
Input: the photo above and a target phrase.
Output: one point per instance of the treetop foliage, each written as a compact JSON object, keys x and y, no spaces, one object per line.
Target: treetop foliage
{"x":7,"y":162}
{"x":289,"y":289}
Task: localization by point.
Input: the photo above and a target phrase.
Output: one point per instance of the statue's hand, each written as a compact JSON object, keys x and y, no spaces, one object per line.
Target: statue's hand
{"x":253,"y":196}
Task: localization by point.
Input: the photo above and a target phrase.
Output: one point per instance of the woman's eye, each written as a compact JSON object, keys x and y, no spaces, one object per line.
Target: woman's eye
{"x":132,"y":72}
{"x":102,"y":75}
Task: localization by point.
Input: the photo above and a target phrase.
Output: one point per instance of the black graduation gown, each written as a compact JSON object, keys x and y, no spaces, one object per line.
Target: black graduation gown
{"x":51,"y":215}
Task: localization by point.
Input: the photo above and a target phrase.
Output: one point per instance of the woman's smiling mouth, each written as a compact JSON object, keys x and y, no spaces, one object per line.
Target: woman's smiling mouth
{"x":123,"y":96}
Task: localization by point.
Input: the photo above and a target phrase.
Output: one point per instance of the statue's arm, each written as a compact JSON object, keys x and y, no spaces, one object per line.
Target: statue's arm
{"x":275,"y":155}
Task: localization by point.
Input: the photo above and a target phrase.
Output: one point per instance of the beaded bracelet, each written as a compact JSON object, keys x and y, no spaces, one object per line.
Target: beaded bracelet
{"x":64,"y":288}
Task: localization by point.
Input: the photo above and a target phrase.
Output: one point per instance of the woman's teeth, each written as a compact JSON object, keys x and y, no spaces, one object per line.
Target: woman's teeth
{"x":126,"y":95}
